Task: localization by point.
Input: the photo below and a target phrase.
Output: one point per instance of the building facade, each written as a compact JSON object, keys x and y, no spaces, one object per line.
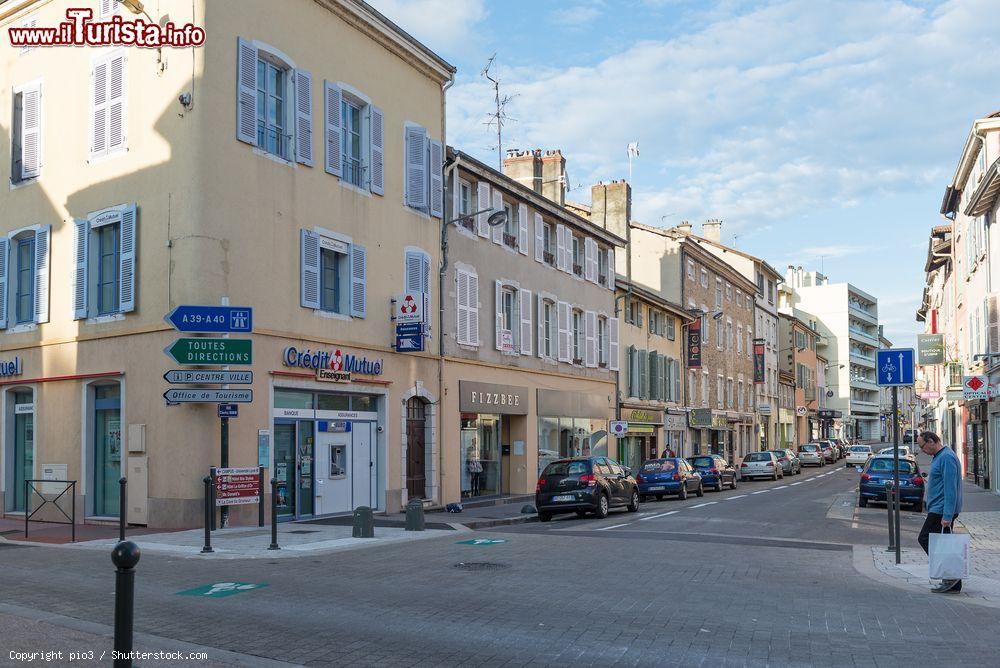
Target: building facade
{"x":797,"y":356}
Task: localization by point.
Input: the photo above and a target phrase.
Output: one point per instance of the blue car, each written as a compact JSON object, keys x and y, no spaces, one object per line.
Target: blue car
{"x":879,"y":470}
{"x":716,"y":473}
{"x":670,"y":475}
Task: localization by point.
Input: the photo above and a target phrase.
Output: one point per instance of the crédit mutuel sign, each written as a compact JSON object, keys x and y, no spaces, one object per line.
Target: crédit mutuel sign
{"x":333,"y":366}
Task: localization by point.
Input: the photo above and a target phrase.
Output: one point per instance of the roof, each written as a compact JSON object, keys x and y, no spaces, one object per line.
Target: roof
{"x":799,"y":321}
{"x":704,"y":255}
{"x":729,"y":249}
{"x":622,"y":283}
{"x":984,"y":197}
{"x":374,"y":16}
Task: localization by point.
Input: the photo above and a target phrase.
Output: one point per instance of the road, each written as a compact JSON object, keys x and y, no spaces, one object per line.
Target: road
{"x":762,"y":575}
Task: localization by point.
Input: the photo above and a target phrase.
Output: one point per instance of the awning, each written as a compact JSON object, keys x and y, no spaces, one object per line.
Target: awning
{"x":985,"y":196}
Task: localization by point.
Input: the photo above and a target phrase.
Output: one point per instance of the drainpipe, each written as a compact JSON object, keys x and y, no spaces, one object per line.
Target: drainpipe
{"x":441,"y":431}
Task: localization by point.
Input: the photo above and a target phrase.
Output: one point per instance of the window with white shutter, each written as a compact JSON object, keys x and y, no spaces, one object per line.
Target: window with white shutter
{"x":109,"y":109}
{"x":524,"y":306}
{"x":483,"y":206}
{"x":26,"y":133}
{"x":590,"y":333}
{"x":562,"y":262}
{"x":467,"y":306}
{"x":565,"y":340}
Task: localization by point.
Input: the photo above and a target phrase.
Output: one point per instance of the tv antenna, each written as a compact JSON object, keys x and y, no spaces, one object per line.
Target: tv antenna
{"x":498,"y":117}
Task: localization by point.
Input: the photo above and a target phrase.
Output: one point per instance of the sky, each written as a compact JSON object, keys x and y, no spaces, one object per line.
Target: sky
{"x":823,"y":134}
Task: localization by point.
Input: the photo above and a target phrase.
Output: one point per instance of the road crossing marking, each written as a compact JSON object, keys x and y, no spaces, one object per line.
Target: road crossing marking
{"x":702,"y":505}
{"x":653,"y":517}
{"x":613,"y":526}
{"x":738,"y":496}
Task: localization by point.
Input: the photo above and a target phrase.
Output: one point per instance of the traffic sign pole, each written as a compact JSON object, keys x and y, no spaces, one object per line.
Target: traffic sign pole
{"x":895,"y":459}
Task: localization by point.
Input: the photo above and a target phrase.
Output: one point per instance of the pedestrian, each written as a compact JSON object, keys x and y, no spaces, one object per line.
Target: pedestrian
{"x":944,"y":497}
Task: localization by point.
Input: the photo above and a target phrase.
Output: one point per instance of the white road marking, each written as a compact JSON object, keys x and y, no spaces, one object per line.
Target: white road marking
{"x":613,"y":526}
{"x":796,"y":483}
{"x":781,"y":487}
{"x":762,"y":491}
{"x":738,"y":496}
{"x":702,"y":505}
{"x":653,"y":517}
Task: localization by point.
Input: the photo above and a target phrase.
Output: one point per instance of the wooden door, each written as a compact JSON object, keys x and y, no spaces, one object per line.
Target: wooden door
{"x":416,"y":480}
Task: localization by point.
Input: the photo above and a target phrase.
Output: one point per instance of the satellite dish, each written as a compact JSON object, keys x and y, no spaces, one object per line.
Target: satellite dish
{"x":497,"y":218}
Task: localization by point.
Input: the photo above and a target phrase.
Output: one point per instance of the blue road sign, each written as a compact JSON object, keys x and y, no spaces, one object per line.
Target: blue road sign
{"x":413,"y":343}
{"x":894,"y":366}
{"x":229,"y":410}
{"x":409,"y":328}
{"x":212,"y":319}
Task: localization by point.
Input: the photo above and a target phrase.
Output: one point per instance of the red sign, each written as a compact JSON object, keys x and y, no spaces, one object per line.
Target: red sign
{"x":237,"y":486}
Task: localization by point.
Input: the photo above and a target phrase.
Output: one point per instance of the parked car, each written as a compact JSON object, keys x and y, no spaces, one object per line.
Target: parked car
{"x":761,"y":465}
{"x":904,"y":451}
{"x":829,"y":452}
{"x":812,"y":453}
{"x":858,"y":455}
{"x":879,"y":469}
{"x":583,"y":485}
{"x":845,"y":447}
{"x":790,"y":464}
{"x":910,"y":435}
{"x":670,"y":475}
{"x":715,"y":471}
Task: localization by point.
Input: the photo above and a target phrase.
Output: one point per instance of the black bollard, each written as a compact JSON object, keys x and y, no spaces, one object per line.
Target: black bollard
{"x":122,"y":507}
{"x":889,"y":498}
{"x":415,"y":515}
{"x":260,"y":498}
{"x":125,"y":556}
{"x":208,"y":515}
{"x":274,"y":515}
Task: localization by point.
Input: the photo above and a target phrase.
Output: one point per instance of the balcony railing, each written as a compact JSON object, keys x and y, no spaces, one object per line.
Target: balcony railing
{"x":854,"y":308}
{"x":862,"y":334}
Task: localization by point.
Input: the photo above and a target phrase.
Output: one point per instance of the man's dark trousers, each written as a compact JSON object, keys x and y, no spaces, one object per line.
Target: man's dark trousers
{"x":932,"y":524}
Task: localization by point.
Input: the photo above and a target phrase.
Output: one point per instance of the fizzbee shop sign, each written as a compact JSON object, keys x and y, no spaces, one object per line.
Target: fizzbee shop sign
{"x":332,"y":366}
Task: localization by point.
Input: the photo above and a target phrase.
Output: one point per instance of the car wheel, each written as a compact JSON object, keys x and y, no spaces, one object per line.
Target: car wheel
{"x":683,"y":494}
{"x":633,"y":505}
{"x":718,"y":487}
{"x":862,"y":502}
{"x":659,"y":497}
{"x":700,"y":491}
{"x":544,"y":517}
{"x":774,"y":476}
{"x":602,"y":507}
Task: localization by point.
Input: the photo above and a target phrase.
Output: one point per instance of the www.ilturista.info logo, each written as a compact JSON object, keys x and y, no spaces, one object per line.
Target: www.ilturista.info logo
{"x":79,"y":30}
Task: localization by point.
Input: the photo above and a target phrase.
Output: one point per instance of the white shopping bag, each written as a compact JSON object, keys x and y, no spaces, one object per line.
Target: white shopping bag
{"x":949,"y":556}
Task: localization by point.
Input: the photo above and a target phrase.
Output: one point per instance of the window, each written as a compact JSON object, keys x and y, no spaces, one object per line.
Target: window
{"x":272,"y":134}
{"x":109,"y":111}
{"x":760,"y":284}
{"x":577,"y":256}
{"x":719,"y":335}
{"x":739,"y":339}
{"x":333,"y":274}
{"x":511,"y":226}
{"x":739,"y":298}
{"x":350,"y":144}
{"x":577,"y":336}
{"x":718,"y":293}
{"x":690,"y":270}
{"x":507,"y":311}
{"x":105,"y":256}
{"x":107,"y":269}
{"x":549,"y":244}
{"x":720,"y":391}
{"x":548,"y":320}
{"x":26,"y":133}
{"x":671,"y":328}
{"x":704,"y":388}
{"x":602,"y":266}
{"x":465,"y":198}
{"x":603,"y":347}
{"x":729,"y":291}
{"x":739,"y":396}
{"x":633,"y":314}
{"x":729,"y":334}
{"x":24,"y":294}
{"x":329,"y":280}
{"x":692,"y":385}
{"x":749,"y":303}
{"x":730,"y":399}
{"x":704,"y":278}
{"x":770,"y":291}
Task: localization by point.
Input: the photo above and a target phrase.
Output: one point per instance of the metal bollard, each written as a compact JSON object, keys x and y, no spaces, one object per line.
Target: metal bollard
{"x":125,"y":556}
{"x":889,"y":499}
{"x":208,"y":515}
{"x":364,"y":523}
{"x":122,"y":507}
{"x":415,"y":515}
{"x":274,"y":515}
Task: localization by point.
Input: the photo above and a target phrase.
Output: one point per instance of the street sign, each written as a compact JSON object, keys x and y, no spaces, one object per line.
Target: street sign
{"x":237,"y":486}
{"x":618,"y":427}
{"x":930,"y":349}
{"x":188,"y":350}
{"x":410,"y":344}
{"x":894,"y":367}
{"x":212,"y":319}
{"x":409,"y":307}
{"x":409,"y":328}
{"x":184,"y":395}
{"x":976,"y":387}
{"x":221,"y":589}
{"x":229,"y":410}
{"x":194,"y":376}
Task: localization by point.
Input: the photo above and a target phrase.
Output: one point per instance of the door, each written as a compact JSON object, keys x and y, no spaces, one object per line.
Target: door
{"x":305,"y":440}
{"x":284,"y":467}
{"x":107,"y":449}
{"x":616,"y":480}
{"x":24,"y":446}
{"x":416,"y":476}
{"x":362,"y":465}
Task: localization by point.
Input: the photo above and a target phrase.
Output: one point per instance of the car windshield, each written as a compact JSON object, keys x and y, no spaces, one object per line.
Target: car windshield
{"x":658,"y":465}
{"x":779,"y":453}
{"x":702,"y":461}
{"x":758,"y":457}
{"x":861,"y":448}
{"x":567,"y":468}
{"x":810,"y":447}
{"x":885,"y":465}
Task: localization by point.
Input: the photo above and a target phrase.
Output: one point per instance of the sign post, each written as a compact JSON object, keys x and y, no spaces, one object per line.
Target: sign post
{"x":895,"y":367}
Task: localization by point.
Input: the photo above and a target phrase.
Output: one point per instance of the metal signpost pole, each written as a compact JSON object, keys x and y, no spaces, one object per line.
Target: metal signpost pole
{"x":895,"y":460}
{"x":225,"y":464}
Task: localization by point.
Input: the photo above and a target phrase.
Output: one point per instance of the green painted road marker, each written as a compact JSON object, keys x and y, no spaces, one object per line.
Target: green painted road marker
{"x":482,"y":541}
{"x":221,"y":589}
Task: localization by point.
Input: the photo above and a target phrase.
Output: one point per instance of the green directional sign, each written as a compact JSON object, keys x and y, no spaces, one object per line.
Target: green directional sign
{"x":481,"y":541}
{"x":221,"y":589}
{"x":190,"y":350}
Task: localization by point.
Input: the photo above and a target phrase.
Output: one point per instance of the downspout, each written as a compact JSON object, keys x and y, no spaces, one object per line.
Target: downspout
{"x":441,"y":431}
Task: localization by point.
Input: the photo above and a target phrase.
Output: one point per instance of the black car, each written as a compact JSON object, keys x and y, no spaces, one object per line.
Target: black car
{"x":715,"y":471}
{"x":585,"y":485}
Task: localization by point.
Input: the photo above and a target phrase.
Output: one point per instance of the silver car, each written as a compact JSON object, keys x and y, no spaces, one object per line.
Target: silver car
{"x":790,"y":464}
{"x":812,"y":454}
{"x":761,"y":465}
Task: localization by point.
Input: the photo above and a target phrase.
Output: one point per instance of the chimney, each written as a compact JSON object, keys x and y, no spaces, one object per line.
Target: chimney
{"x":684,"y":227}
{"x":525,"y":167}
{"x":611,"y":207}
{"x":554,"y":177}
{"x":712,"y":230}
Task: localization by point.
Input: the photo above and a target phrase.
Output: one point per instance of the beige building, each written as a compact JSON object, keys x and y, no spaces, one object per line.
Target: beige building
{"x":291,"y":165}
{"x":797,"y":356}
{"x":786,"y":409}
{"x":530,"y":341}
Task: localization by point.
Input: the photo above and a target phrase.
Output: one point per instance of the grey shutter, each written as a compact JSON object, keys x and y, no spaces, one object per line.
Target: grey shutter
{"x":524,"y":306}
{"x":81,"y":244}
{"x":126,"y":261}
{"x":590,"y":339}
{"x":498,"y":314}
{"x":42,"y":261}
{"x":309,"y":268}
{"x":643,"y":374}
{"x":522,"y":229}
{"x":246,"y":91}
{"x":541,"y":325}
{"x":611,"y":269}
{"x":436,"y":178}
{"x":483,"y":204}
{"x":376,"y":122}
{"x":331,"y":128}
{"x":561,"y":247}
{"x":563,"y":316}
{"x":31,"y":132}
{"x":4,"y":261}
{"x":539,"y":238}
{"x":303,"y":118}
{"x":117,"y":102}
{"x":358,"y":280}
{"x":99,"y":108}
{"x":415,"y":142}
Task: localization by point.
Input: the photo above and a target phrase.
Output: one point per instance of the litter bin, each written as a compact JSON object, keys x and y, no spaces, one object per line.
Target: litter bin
{"x":415,"y":515}
{"x":364,"y":523}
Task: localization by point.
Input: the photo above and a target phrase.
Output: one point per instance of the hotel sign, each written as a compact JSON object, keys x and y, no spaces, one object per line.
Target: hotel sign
{"x":758,"y":361}
{"x":490,"y":398}
{"x":694,"y":344}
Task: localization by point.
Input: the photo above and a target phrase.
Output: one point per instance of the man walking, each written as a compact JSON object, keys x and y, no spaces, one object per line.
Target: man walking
{"x":944,"y":497}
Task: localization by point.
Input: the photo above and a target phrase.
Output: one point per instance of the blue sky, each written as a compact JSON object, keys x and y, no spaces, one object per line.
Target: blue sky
{"x":821,"y":133}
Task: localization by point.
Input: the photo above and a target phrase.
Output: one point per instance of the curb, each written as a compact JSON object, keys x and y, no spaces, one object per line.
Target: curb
{"x":499,"y":522}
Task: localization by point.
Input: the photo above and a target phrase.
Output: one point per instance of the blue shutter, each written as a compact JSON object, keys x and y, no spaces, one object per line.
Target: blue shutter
{"x":126,"y":275}
{"x":81,"y":255}
{"x":246,"y":91}
{"x":4,"y":257}
{"x":415,"y":148}
{"x":331,"y":128}
{"x":375,"y":123}
{"x":42,"y":238}
{"x":436,"y":176}
{"x":358,"y":258}
{"x":303,"y":118}
{"x":309,"y":269}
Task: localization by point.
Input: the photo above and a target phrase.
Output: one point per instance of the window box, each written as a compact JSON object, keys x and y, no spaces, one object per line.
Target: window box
{"x":578,"y":361}
{"x":603,"y":365}
{"x":510,"y":240}
{"x":602,"y":279}
{"x":578,"y":269}
{"x":468,"y":224}
{"x":549,"y":258}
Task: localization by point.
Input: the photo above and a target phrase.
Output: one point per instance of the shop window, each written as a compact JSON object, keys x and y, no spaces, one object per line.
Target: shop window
{"x":20,"y":446}
{"x":562,"y":437}
{"x":480,"y":448}
{"x":328,"y":402}
{"x":363,"y":403}
{"x":293,"y":399}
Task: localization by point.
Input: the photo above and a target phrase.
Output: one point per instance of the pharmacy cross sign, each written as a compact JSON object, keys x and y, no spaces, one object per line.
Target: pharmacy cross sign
{"x":894,"y":367}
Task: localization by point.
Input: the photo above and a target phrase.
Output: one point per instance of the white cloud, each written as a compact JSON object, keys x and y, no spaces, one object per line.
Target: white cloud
{"x":440,"y":24}
{"x":579,"y":15}
{"x":829,"y":252}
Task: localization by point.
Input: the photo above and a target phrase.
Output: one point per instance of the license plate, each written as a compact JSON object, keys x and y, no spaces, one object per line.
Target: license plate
{"x":563,"y":497}
{"x":656,"y":488}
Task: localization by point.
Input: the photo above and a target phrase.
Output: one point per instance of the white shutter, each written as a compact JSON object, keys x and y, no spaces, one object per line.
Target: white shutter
{"x":415,"y":142}
{"x":303,"y":118}
{"x":590,"y":331}
{"x":541,"y":326}
{"x":126,"y":261}
{"x":462,"y":307}
{"x":4,"y":261}
{"x":524,"y":305}
{"x":539,"y":238}
{"x":497,"y":231}
{"x":483,"y":204}
{"x":413,"y":268}
{"x":99,"y":108}
{"x":473,"y":309}
{"x":610,"y":285}
{"x":117,"y":102}
{"x":522,"y":229}
{"x":106,"y":8}
{"x":561,"y":247}
{"x":456,"y":195}
{"x":332,"y":97}
{"x":498,"y":314}
{"x":246,"y":92}
{"x":358,"y":279}
{"x":309,"y":269}
{"x":993,"y":325}
{"x":590,"y":259}
{"x":563,"y":316}
{"x":376,"y":122}
{"x":31,"y":132}
{"x":436,"y":178}
{"x":42,"y":261}
{"x":613,"y":344}
{"x":81,"y":254}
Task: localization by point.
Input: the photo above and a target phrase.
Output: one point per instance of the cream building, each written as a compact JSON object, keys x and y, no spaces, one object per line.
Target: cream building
{"x":293,"y":165}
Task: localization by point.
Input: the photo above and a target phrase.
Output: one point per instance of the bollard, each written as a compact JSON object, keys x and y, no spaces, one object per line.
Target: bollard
{"x":889,"y":498}
{"x":364,"y":523}
{"x":125,"y":556}
{"x":122,"y":507}
{"x":274,"y":515}
{"x":415,"y":515}
{"x":208,"y":515}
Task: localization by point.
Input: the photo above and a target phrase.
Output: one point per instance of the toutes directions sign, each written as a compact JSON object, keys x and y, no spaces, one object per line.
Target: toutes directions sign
{"x":205,"y":351}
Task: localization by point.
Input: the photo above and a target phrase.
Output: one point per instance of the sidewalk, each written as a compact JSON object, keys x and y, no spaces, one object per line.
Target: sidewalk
{"x":502,"y":512}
